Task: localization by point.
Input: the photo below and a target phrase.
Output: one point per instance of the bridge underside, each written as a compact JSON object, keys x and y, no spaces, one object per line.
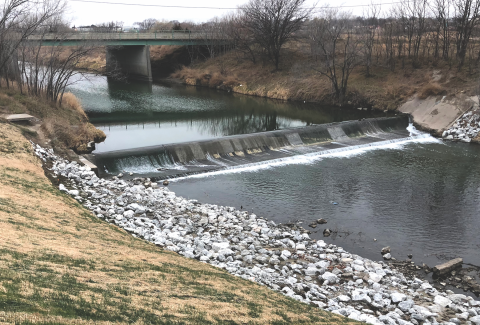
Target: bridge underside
{"x":132,"y":61}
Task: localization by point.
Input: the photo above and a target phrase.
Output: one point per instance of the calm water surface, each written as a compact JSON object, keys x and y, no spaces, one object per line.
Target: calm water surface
{"x":141,"y":114}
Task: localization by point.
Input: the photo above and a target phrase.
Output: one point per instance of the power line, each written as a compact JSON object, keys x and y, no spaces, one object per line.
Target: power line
{"x":147,"y":5}
{"x":222,"y":8}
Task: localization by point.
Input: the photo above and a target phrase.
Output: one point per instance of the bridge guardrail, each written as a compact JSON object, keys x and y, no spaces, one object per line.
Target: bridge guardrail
{"x":164,"y":35}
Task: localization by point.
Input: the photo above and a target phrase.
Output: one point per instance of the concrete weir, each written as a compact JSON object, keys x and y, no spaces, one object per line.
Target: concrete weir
{"x":193,"y":157}
{"x":133,"y":61}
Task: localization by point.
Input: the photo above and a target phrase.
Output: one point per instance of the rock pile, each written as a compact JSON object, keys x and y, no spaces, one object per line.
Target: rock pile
{"x":465,"y":129}
{"x":284,"y":259}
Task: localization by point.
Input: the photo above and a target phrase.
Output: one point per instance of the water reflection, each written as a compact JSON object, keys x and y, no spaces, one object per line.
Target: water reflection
{"x":171,"y":113}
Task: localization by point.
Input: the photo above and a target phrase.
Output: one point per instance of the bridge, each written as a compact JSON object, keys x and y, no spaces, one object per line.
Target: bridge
{"x":129,"y":52}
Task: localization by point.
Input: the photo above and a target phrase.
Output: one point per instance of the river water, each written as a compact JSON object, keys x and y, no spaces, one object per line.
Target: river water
{"x":419,"y":196}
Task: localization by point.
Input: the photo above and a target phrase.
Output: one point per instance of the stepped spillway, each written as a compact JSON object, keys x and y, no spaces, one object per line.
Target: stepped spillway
{"x":180,"y":159}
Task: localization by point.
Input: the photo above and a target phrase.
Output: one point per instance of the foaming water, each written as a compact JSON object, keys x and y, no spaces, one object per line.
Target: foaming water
{"x":310,"y":158}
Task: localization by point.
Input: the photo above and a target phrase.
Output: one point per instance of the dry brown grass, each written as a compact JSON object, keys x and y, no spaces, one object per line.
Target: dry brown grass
{"x":66,"y":125}
{"x":75,"y":137}
{"x":59,"y":263}
{"x":431,"y":89}
{"x":298,"y":81}
{"x":71,"y":101}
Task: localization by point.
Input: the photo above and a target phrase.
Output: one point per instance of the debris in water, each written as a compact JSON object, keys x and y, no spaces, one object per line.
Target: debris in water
{"x":386,"y":250}
{"x":165,"y":183}
{"x":333,"y":202}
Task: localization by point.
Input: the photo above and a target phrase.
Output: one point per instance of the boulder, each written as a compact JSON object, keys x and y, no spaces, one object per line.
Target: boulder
{"x":475,"y":320}
{"x":397,"y":297}
{"x":343,"y":298}
{"x":375,"y":277}
{"x":219,"y":246}
{"x":442,"y":301}
{"x":330,"y":277}
{"x":385,"y":250}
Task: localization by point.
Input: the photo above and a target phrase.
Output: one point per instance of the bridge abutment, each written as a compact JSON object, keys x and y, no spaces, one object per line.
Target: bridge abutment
{"x":133,"y":61}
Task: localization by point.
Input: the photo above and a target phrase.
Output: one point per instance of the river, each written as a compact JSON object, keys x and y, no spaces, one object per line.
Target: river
{"x":419,"y":196}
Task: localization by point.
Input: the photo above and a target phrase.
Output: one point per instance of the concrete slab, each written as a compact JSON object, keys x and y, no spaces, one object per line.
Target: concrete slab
{"x":448,"y":266}
{"x":88,"y":163}
{"x":436,"y":114}
{"x":19,"y":117}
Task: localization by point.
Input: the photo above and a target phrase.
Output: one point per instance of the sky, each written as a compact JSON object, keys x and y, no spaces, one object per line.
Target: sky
{"x":88,"y":12}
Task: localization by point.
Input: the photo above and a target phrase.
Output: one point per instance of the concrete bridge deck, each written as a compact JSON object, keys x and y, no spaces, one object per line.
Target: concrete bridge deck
{"x":129,"y":52}
{"x":173,"y":37}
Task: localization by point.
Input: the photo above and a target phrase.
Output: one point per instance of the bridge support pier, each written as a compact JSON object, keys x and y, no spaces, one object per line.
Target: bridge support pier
{"x":133,"y":61}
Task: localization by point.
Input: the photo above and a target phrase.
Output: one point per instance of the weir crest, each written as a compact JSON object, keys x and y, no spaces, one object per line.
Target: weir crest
{"x":181,"y":159}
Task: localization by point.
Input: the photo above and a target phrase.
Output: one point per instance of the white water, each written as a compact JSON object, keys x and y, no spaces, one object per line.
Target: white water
{"x":310,"y":158}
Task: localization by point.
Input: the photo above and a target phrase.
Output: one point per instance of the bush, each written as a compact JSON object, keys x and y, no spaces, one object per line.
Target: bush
{"x":431,"y":89}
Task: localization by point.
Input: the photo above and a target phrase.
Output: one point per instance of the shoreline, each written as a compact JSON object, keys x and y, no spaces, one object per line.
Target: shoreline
{"x":282,"y":258}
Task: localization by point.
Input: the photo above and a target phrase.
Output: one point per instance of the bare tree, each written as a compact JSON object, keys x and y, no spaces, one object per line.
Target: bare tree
{"x":273,"y":23}
{"x":412,"y":15}
{"x":441,"y":11}
{"x":368,"y":35}
{"x":46,"y":71}
{"x":339,"y":49}
{"x":146,"y":25}
{"x":19,"y":19}
{"x":467,"y":15}
{"x":242,"y":38}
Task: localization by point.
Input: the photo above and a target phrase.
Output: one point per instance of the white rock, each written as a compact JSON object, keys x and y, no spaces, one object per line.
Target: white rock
{"x":311,"y":271}
{"x":397,"y":297}
{"x":74,"y":192}
{"x":343,"y":298}
{"x":218,"y":246}
{"x":375,"y":277}
{"x":442,"y":301}
{"x":330,"y":277}
{"x":321,"y":244}
{"x":300,"y":247}
{"x":358,"y":295}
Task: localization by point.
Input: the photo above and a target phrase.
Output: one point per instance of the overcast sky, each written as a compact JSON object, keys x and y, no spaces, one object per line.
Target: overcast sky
{"x":87,"y":13}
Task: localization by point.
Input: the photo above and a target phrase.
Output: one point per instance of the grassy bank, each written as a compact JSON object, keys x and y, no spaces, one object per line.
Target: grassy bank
{"x":59,"y":264}
{"x":297,"y":80}
{"x":64,"y":126}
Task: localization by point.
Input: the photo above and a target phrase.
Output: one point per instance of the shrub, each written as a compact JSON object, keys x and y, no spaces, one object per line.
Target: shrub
{"x":430,"y":89}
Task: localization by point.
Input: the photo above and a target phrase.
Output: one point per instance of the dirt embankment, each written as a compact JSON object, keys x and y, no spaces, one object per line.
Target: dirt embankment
{"x":435,"y":95}
{"x":60,"y":264}
{"x":298,"y":80}
{"x":63,"y":127}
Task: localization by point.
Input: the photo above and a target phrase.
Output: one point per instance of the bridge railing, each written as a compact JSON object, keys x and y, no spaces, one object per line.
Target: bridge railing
{"x":163,"y":35}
